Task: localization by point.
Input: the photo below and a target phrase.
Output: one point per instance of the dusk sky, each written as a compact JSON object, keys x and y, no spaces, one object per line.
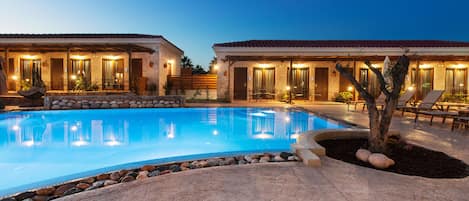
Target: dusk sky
{"x":195,"y":25}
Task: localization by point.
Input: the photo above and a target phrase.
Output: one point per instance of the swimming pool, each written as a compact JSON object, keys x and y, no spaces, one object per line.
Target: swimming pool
{"x":41,"y":148}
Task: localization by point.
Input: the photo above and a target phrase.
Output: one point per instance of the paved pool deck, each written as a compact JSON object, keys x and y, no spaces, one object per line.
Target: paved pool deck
{"x":335,"y":180}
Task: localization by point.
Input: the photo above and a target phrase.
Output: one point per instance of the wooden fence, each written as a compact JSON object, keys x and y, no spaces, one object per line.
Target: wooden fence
{"x":203,"y":81}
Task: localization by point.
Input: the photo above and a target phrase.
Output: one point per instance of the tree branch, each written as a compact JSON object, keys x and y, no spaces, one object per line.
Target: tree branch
{"x":367,"y":96}
{"x":379,"y":75}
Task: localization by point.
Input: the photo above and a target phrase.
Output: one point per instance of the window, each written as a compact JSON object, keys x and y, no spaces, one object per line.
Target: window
{"x":425,"y":83}
{"x":300,"y":82}
{"x":80,"y":70}
{"x":30,"y":70}
{"x":264,"y":82}
{"x":113,"y":74}
{"x":456,"y":81}
{"x":369,"y":81}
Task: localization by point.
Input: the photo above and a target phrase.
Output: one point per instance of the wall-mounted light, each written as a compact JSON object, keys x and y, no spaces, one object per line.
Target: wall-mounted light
{"x":29,"y":57}
{"x":264,"y":65}
{"x":151,"y":64}
{"x":299,"y":65}
{"x":78,"y":57}
{"x":73,"y":77}
{"x":14,"y":77}
{"x":349,"y":88}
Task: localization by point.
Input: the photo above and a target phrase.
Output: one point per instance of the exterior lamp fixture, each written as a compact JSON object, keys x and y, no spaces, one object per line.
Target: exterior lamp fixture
{"x":411,"y":88}
{"x":287,"y":88}
{"x":14,"y":77}
{"x":349,"y":88}
{"x":215,"y":67}
{"x":73,"y":77}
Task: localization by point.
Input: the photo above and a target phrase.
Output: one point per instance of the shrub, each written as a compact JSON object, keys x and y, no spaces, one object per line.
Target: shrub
{"x":344,"y":96}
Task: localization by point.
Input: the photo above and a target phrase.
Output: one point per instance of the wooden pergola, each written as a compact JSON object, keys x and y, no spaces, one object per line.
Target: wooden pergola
{"x":73,"y":47}
{"x":416,"y":58}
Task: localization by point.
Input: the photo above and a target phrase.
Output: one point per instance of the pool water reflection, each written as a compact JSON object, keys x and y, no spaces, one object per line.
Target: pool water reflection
{"x":46,"y":147}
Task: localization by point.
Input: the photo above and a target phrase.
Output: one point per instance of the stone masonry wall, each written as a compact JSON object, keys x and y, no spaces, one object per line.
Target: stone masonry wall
{"x":111,"y":101}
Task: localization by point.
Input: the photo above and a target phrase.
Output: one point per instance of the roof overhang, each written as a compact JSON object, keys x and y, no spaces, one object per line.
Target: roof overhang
{"x":60,"y":47}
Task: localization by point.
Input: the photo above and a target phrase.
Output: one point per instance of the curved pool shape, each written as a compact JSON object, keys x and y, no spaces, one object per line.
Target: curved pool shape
{"x":41,"y":148}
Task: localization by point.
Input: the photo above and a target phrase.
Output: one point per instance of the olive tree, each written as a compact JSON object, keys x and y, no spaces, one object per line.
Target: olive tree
{"x":380,"y":120}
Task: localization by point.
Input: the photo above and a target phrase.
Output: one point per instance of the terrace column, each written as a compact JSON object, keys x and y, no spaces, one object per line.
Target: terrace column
{"x":290,"y":81}
{"x":66,"y":77}
{"x":417,"y":80}
{"x":128,"y":82}
{"x":4,"y":73}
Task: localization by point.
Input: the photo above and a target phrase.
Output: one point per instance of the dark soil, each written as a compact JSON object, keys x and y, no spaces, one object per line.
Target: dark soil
{"x":410,"y":159}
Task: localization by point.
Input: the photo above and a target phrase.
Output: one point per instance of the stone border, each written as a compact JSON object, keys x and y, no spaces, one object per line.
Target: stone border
{"x":129,"y":175}
{"x":111,"y":101}
{"x":307,"y":148}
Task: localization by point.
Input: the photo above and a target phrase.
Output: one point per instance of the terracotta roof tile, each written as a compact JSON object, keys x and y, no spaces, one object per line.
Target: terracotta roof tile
{"x":79,"y":35}
{"x":344,"y":43}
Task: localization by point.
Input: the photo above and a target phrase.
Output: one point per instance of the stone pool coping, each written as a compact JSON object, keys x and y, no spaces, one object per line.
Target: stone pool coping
{"x":143,"y":172}
{"x":307,"y":148}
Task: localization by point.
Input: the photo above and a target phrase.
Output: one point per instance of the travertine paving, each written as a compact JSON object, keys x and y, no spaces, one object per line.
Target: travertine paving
{"x":335,"y":180}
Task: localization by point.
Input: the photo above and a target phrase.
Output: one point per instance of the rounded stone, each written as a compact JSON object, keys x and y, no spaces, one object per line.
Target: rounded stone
{"x":148,"y":168}
{"x":102,"y":177}
{"x":109,"y":182}
{"x":127,"y":179}
{"x":72,"y":191}
{"x":88,"y":180}
{"x":154,"y":173}
{"x":45,"y":191}
{"x":363,"y":155}
{"x":63,"y":188}
{"x":380,"y":161}
{"x":278,"y":158}
{"x":114,"y":176}
{"x":142,"y":175}
{"x":83,"y":186}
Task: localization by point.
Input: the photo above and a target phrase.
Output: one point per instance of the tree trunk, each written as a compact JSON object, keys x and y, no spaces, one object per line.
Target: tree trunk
{"x":376,"y":136}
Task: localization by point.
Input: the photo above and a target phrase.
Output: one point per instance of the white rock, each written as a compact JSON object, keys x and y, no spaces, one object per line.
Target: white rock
{"x":380,"y":161}
{"x":363,"y":154}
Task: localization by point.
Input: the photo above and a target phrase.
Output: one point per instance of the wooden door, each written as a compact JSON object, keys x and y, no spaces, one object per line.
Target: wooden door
{"x":136,"y":73}
{"x":57,"y":74}
{"x":240,"y":83}
{"x":321,"y":77}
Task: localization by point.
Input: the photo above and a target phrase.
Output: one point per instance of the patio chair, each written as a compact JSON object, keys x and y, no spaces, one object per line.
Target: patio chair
{"x":404,"y":100}
{"x":426,"y":107}
{"x":380,"y":101}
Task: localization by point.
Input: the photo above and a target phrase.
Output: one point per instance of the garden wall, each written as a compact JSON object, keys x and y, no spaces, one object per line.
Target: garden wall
{"x":111,"y":101}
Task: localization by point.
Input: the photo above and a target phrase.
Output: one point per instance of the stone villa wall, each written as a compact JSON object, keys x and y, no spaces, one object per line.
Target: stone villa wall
{"x":111,"y":101}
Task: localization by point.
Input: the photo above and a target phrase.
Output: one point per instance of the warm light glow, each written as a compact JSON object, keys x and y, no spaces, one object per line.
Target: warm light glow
{"x":458,"y":66}
{"x":14,"y":77}
{"x":294,"y":136}
{"x":113,"y":143}
{"x":287,"y":88}
{"x":171,"y":61}
{"x":27,"y":79}
{"x":461,"y":85}
{"x":215,"y":132}
{"x":411,"y":88}
{"x":73,"y":77}
{"x":350,"y":88}
{"x":299,"y":65}
{"x":80,"y":142}
{"x":264,"y":65}
{"x":425,"y":66}
{"x":29,"y":57}
{"x":28,"y":143}
{"x":111,"y":57}
{"x":262,"y":136}
{"x":78,"y":57}
{"x":215,"y":67}
{"x":269,"y":111}
{"x":15,"y":128}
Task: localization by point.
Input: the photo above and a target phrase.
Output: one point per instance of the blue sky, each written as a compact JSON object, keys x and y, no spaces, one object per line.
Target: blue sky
{"x":195,"y":25}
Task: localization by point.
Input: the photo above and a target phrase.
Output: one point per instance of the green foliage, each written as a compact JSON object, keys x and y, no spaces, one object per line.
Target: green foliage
{"x":456,"y":97}
{"x":152,"y":88}
{"x":186,"y":62}
{"x":25,"y":85}
{"x":198,"y":70}
{"x":83,"y":85}
{"x":344,"y":96}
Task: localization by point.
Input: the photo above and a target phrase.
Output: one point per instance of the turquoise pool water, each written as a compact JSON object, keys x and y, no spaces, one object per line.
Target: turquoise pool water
{"x":40,"y":148}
